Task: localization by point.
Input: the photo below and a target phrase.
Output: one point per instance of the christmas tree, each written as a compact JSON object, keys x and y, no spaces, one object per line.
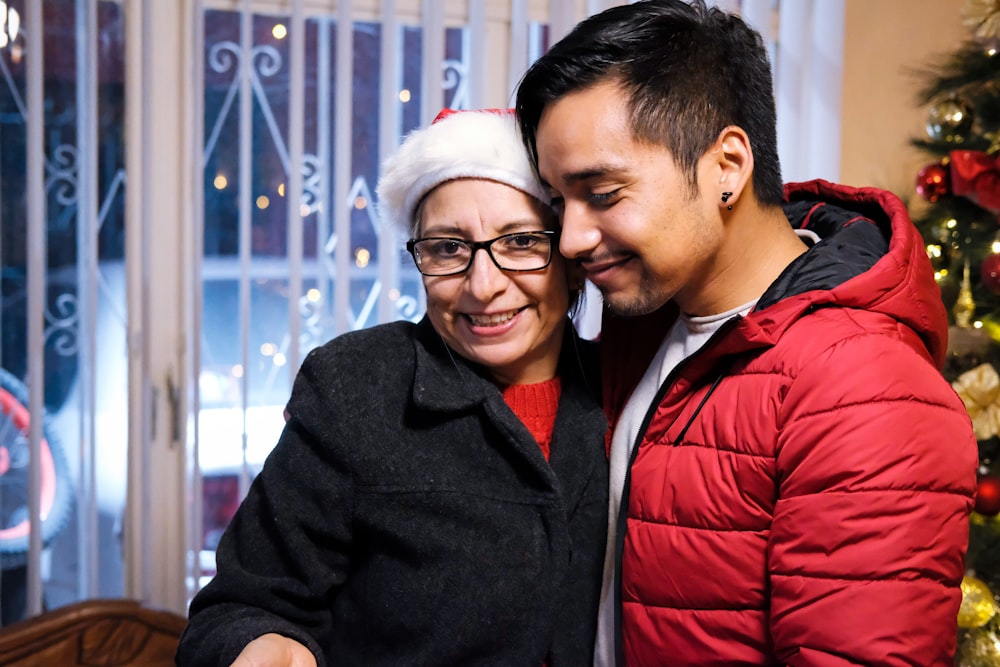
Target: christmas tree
{"x":960,"y":222}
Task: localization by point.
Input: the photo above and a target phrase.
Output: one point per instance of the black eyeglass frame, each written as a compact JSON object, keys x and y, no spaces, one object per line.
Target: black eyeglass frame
{"x":476,"y":246}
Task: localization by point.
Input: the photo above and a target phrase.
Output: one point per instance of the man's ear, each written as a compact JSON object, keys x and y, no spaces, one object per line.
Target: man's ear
{"x":733,"y":160}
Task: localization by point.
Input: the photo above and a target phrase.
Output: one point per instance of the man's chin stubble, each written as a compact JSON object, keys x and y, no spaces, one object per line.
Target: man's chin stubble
{"x":632,"y":307}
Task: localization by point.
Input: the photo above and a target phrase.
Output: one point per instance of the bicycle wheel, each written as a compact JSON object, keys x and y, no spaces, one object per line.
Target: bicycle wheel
{"x":56,"y":488}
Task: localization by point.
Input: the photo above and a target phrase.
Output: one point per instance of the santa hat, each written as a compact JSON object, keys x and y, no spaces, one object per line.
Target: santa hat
{"x":458,"y":144}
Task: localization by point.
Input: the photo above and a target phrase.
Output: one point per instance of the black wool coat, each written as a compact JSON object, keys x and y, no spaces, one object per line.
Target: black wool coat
{"x":407,"y":517}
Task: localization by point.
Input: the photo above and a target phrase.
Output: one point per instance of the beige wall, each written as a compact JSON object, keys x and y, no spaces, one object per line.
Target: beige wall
{"x":884,"y":39}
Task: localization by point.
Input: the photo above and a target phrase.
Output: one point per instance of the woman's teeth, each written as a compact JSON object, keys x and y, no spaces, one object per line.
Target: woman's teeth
{"x":492,"y":320}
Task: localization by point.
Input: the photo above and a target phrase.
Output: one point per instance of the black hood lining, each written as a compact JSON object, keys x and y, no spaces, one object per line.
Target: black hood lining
{"x":850,"y":244}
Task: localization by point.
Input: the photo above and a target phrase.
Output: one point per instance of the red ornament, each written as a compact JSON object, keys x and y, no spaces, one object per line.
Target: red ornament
{"x":934,"y":182}
{"x":989,"y":273}
{"x":988,"y":495}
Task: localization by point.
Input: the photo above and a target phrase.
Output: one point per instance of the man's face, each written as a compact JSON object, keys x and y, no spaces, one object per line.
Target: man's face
{"x":627,"y":212}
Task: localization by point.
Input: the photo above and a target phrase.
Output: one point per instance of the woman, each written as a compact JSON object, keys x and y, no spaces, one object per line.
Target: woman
{"x":439,"y":493}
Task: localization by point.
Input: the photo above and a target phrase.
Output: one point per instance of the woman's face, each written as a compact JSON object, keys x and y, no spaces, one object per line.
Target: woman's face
{"x":509,"y":322}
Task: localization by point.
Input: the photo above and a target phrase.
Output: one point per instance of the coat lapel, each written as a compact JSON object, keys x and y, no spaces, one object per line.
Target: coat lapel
{"x":578,"y":437}
{"x":446,"y":382}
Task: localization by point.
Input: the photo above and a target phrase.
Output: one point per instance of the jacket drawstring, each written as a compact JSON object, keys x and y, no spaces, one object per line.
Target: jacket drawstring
{"x":715,"y":383}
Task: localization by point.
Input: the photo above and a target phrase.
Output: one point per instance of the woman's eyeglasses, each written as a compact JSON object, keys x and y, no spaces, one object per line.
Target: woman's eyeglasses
{"x":445,"y":256}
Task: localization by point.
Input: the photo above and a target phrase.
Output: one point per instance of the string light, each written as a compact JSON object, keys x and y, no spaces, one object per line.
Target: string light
{"x":10,"y":24}
{"x":10,"y":30}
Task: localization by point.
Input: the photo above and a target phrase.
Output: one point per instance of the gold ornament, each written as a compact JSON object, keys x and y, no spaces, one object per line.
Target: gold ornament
{"x":978,"y":604}
{"x":982,"y":17}
{"x":950,"y":120}
{"x":979,"y":389}
{"x":965,"y":305}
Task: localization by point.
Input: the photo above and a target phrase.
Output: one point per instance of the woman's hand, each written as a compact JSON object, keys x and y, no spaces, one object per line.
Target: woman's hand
{"x":273,"y":650}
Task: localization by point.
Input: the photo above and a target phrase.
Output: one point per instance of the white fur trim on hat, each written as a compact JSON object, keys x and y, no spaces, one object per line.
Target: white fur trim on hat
{"x":466,"y":144}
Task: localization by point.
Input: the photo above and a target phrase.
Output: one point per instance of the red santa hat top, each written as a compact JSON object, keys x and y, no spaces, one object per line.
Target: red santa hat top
{"x":459,"y":144}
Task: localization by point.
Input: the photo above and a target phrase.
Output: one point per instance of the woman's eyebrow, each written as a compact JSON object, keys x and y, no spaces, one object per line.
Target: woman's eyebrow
{"x":450,"y":231}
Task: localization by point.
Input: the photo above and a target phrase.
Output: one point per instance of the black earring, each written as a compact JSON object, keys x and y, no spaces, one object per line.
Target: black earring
{"x":725,"y":198}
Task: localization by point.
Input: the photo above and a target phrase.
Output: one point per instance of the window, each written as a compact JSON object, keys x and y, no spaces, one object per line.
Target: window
{"x":81,"y":348}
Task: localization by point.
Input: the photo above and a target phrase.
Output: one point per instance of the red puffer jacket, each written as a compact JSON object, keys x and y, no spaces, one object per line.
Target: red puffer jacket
{"x":801,"y":492}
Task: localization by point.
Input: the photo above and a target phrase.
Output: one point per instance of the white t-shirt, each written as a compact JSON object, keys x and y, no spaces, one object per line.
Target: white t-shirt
{"x":684,"y":339}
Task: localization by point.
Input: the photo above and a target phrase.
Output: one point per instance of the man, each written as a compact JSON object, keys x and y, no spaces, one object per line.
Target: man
{"x":791,"y":477}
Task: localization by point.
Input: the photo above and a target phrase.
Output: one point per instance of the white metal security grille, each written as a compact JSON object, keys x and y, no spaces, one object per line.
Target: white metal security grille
{"x":61,"y":213}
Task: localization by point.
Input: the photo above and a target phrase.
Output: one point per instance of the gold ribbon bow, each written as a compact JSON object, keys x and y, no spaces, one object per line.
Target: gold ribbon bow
{"x":979,"y":389}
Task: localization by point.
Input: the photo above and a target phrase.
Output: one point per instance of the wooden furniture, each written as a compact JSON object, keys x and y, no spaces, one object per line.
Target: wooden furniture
{"x":93,"y":633}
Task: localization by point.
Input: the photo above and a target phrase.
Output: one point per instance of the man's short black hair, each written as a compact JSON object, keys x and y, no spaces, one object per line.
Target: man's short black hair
{"x":687,"y":71}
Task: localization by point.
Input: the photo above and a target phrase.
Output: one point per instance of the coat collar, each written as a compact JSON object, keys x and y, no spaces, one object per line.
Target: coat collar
{"x":444,"y":381}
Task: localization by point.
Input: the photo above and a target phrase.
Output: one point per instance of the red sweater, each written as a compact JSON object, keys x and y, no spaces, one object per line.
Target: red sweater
{"x":535,"y":405}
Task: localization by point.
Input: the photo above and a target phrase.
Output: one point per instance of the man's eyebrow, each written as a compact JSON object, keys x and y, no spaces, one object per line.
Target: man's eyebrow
{"x":574,"y":177}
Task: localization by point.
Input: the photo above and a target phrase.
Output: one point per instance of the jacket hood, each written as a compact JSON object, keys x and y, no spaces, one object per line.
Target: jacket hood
{"x":870,"y":256}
